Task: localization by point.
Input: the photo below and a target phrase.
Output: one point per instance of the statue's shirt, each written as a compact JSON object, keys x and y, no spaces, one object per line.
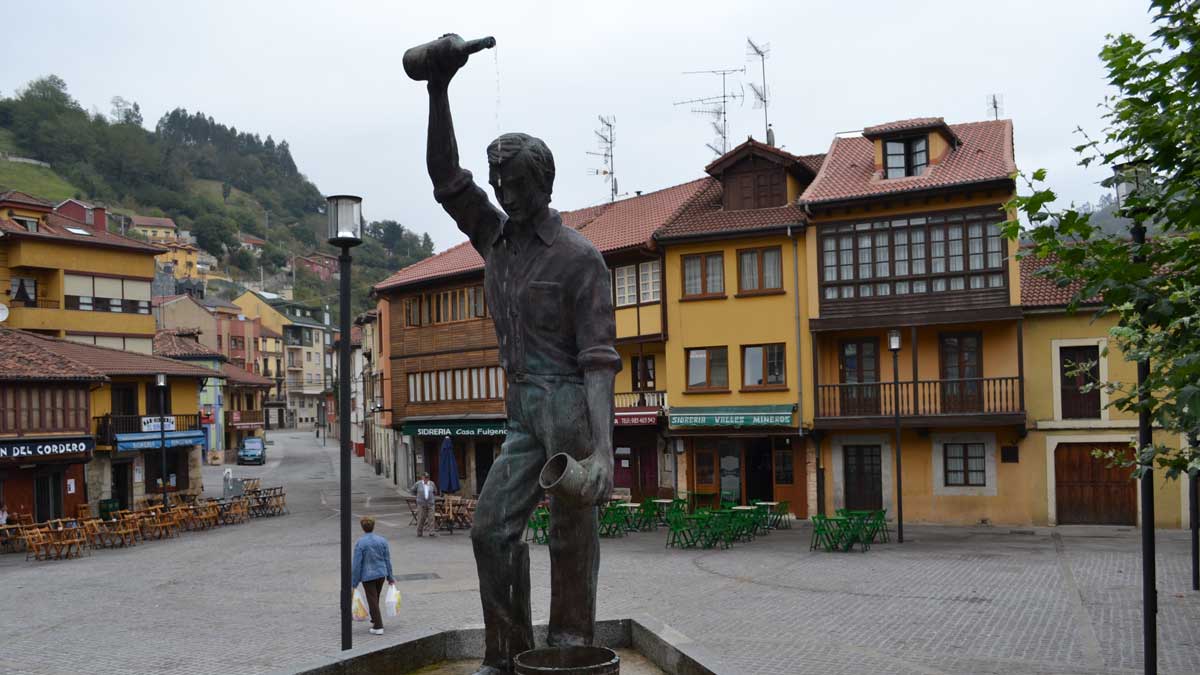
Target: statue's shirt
{"x":548,"y":291}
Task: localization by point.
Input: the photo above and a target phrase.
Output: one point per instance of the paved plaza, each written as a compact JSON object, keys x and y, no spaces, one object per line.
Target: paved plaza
{"x":262,"y":597}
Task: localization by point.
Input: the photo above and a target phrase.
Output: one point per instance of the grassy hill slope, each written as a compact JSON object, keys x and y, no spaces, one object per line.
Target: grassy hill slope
{"x":36,"y":180}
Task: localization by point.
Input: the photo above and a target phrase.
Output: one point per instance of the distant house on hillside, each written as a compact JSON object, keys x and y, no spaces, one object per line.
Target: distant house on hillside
{"x":154,"y":228}
{"x":88,"y":214}
{"x":320,"y":264}
{"x":252,"y":243}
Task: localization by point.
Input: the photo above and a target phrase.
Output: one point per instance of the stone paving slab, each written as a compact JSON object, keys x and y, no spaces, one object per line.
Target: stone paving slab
{"x":262,"y":596}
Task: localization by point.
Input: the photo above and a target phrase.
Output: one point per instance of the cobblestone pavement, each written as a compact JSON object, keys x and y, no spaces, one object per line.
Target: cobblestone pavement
{"x":263,"y":596}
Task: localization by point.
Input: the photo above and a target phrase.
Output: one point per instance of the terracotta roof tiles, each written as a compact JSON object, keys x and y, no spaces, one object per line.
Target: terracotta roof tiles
{"x":117,"y":362}
{"x":241,"y":377}
{"x":704,"y":215}
{"x":848,"y":173}
{"x":152,"y":221}
{"x":24,"y":356}
{"x":182,"y":343}
{"x":55,"y":225}
{"x":1039,"y":291}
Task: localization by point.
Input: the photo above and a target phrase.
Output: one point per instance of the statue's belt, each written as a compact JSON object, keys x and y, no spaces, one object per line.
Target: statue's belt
{"x":544,"y":381}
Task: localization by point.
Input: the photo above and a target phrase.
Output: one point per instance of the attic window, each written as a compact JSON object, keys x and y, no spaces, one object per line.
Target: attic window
{"x":906,"y":157}
{"x":28,"y":223}
{"x":80,"y":231}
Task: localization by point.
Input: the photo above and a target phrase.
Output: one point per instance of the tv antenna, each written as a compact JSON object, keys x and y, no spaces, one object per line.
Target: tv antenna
{"x":758,"y":51}
{"x":717,"y":107}
{"x":607,"y":138}
{"x":995,"y":105}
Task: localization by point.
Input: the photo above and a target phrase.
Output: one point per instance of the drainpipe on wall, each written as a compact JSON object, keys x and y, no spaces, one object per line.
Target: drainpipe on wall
{"x":799,"y":360}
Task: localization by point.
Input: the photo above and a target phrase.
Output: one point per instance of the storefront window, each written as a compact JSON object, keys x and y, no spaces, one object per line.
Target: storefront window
{"x":784,"y":470}
{"x":706,"y":467}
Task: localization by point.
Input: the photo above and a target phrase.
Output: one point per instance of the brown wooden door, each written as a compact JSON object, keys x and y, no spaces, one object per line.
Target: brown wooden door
{"x":961,"y":366}
{"x":1088,"y":492}
{"x":863,"y":475}
{"x":1078,"y":367}
{"x":859,"y":372}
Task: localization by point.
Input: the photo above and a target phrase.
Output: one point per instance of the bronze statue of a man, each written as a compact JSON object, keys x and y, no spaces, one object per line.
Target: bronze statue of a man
{"x":551,"y":300}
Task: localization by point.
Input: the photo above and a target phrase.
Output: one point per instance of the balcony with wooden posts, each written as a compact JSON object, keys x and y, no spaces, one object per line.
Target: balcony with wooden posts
{"x":956,"y":376}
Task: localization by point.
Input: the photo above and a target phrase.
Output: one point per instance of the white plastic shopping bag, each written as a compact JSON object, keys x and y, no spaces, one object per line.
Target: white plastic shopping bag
{"x":391,"y":601}
{"x":358,"y":606}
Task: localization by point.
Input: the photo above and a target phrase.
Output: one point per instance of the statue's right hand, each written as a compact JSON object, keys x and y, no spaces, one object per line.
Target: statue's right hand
{"x":444,"y":58}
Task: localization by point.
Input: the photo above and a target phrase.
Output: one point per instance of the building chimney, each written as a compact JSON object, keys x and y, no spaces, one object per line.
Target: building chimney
{"x":99,"y":218}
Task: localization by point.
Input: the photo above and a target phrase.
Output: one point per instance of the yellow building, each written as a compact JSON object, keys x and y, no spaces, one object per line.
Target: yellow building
{"x":156,"y":229}
{"x":126,"y":419}
{"x":183,"y":259}
{"x":64,"y":278}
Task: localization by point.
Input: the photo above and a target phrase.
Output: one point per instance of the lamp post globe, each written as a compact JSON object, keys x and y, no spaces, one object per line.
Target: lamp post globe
{"x":345,"y":220}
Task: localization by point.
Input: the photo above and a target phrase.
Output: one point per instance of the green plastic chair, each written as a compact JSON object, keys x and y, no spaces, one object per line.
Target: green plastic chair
{"x":679,"y":532}
{"x":612,"y":522}
{"x":781,"y":518}
{"x":647,"y":516}
{"x":538,"y":530}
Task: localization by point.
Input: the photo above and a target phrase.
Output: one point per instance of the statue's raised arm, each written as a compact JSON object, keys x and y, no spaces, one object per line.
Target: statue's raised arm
{"x":436,"y":63}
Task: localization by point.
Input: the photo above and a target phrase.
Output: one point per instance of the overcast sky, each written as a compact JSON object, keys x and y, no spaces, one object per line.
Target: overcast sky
{"x":327,"y":78}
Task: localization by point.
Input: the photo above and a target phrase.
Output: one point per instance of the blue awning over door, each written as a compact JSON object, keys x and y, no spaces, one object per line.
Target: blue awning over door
{"x":151,"y":440}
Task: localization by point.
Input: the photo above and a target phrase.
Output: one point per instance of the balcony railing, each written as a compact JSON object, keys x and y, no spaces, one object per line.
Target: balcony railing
{"x":923,"y":398}
{"x":641,"y":399}
{"x":36,"y":304}
{"x":235,"y":417}
{"x":108,"y":426}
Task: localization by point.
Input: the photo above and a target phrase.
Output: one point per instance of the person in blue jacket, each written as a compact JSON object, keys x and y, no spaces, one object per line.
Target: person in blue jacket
{"x":372,"y":564}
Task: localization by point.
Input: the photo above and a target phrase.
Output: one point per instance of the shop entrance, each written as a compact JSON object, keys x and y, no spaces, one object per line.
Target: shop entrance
{"x":648,"y":474}
{"x":484,"y":455}
{"x":47,"y":497}
{"x":122,"y":481}
{"x":759,"y":481}
{"x":731,"y":471}
{"x":863,"y":473}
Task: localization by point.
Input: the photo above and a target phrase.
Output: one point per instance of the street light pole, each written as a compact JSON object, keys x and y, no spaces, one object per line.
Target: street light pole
{"x":345,"y":232}
{"x":161,"y":380}
{"x":894,"y":346}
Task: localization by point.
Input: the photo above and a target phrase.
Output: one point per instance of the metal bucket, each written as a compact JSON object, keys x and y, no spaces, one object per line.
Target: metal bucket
{"x":568,"y":661}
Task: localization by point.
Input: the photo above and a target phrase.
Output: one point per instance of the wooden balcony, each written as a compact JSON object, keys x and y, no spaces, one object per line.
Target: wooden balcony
{"x":243,"y":419}
{"x":923,"y":403}
{"x":108,"y":426}
{"x":641,"y":399}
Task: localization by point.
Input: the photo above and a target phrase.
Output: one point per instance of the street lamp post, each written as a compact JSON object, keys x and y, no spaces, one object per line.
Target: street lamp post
{"x":161,"y":381}
{"x":345,"y":232}
{"x":894,"y":346}
{"x":1128,"y":182}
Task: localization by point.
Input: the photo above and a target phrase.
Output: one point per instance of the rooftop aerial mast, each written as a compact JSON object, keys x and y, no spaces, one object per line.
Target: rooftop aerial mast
{"x":717,"y":107}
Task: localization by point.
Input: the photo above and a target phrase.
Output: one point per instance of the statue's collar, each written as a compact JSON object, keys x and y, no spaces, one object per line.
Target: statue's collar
{"x":547,"y":228}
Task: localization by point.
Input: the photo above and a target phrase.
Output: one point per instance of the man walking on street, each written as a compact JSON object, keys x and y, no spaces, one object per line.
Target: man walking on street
{"x":425,"y":490}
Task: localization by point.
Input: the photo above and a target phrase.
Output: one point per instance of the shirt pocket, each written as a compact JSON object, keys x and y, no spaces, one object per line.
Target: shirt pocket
{"x":545,"y":305}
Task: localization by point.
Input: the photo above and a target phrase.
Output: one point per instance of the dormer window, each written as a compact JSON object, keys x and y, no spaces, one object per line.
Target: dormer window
{"x":29,"y":224}
{"x":906,"y":157}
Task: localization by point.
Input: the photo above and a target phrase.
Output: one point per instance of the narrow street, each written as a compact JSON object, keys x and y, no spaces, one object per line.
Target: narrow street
{"x":262,"y":597}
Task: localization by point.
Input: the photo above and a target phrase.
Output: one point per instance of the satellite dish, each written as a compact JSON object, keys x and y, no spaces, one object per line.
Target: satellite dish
{"x":3,"y":313}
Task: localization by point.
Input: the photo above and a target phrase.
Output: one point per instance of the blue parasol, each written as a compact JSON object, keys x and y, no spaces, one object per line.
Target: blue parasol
{"x":447,"y":468}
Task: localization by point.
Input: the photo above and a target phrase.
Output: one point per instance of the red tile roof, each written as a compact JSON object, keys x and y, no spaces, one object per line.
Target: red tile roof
{"x":735,"y":155}
{"x":914,"y":124}
{"x":251,"y":239}
{"x":848,"y":173}
{"x":631,"y":222}
{"x":265,"y":331}
{"x":18,"y":197}
{"x":164,"y":299}
{"x":55,"y":225}
{"x":23,"y":356}
{"x":705,"y":215}
{"x":241,"y":377}
{"x":1040,"y":291}
{"x":117,"y":362}
{"x":182,"y":343}
{"x":152,"y":221}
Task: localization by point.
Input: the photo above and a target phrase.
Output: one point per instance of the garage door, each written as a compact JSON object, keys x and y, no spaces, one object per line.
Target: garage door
{"x":1088,"y":491}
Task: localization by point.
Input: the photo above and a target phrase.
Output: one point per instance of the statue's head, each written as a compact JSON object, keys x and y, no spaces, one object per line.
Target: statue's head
{"x":521,"y":171}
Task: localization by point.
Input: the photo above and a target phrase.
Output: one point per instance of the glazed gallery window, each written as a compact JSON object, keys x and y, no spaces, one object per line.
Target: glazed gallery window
{"x":707,"y":368}
{"x":965,"y":464}
{"x":760,"y":270}
{"x":913,"y":256}
{"x":907,"y":157}
{"x":459,"y":384}
{"x":637,"y":284}
{"x":449,"y":306}
{"x":43,"y":408}
{"x":625,"y":285}
{"x":703,"y":275}
{"x":763,"y":367}
{"x":105,"y":294}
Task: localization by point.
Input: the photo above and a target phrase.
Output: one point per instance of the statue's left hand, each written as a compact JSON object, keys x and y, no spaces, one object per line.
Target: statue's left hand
{"x":599,"y":483}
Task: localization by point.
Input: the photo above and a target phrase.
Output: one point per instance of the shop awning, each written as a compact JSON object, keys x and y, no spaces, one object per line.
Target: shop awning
{"x":733,"y":416}
{"x":19,"y":451}
{"x":441,"y":428}
{"x":151,"y":440}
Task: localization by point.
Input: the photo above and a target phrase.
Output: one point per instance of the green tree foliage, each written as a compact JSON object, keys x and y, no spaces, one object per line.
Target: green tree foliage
{"x":1153,"y":130}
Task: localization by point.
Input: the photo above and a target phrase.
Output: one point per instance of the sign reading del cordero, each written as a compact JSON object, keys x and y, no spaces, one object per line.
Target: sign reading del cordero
{"x":28,"y":451}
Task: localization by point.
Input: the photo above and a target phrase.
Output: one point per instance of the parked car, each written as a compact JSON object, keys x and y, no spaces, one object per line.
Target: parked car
{"x":252,"y":451}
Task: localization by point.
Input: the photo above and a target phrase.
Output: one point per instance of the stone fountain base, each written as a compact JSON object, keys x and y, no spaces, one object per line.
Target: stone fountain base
{"x":646,"y":647}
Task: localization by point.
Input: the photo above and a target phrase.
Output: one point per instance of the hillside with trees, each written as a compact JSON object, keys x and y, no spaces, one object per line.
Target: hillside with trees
{"x":212,"y":179}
